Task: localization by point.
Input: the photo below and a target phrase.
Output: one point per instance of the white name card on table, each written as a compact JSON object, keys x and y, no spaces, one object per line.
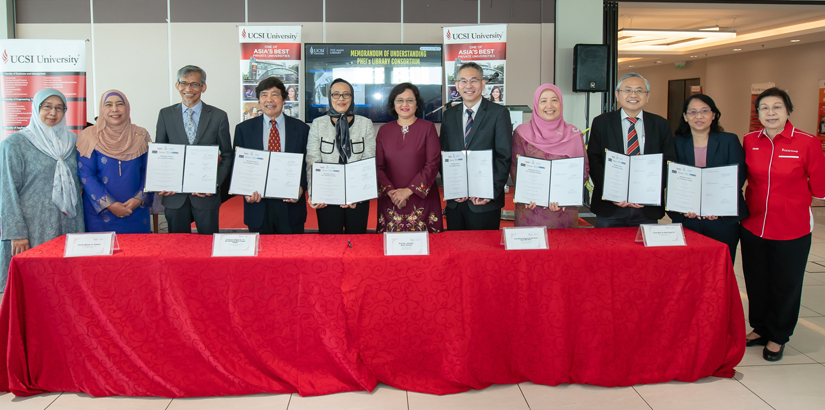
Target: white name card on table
{"x":90,"y":244}
{"x":525,"y":237}
{"x":406,"y":243}
{"x":661,"y":235}
{"x":236,"y":244}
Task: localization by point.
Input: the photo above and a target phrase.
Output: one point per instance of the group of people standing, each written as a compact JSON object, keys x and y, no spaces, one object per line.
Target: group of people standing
{"x":46,"y":167}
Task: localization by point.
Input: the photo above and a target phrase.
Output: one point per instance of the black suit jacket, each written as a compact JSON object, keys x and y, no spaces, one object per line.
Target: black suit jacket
{"x":249,"y":134}
{"x":724,"y":148}
{"x":606,"y":133}
{"x":213,"y":129}
{"x":491,"y":129}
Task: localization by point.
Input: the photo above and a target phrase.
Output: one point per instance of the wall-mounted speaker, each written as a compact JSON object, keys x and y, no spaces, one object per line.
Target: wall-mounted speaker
{"x":590,"y":68}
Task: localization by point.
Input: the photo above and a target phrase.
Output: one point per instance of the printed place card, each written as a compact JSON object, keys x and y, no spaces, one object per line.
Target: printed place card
{"x":236,"y":244}
{"x":406,"y":243}
{"x":90,"y":244}
{"x":525,"y":237}
{"x":661,"y":235}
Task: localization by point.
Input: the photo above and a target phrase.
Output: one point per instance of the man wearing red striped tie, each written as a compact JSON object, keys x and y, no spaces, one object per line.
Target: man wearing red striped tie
{"x":629,"y":131}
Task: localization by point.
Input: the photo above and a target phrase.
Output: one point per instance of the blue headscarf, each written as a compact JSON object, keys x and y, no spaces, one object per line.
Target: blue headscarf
{"x":58,"y":143}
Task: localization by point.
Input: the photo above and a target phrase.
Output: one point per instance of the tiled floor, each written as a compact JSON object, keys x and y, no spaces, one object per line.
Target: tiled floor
{"x":795,"y":383}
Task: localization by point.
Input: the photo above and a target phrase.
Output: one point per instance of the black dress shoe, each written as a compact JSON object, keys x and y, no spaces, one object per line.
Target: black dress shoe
{"x":773,"y":356}
{"x":759,"y":341}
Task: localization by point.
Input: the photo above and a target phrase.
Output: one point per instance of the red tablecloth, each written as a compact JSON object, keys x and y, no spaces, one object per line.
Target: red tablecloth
{"x":313,"y":316}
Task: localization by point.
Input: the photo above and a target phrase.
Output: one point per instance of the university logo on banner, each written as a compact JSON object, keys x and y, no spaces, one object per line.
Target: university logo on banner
{"x":270,"y":51}
{"x":485,"y":45}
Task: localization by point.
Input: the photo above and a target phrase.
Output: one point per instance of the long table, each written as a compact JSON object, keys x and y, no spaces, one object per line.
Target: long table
{"x":313,"y":315}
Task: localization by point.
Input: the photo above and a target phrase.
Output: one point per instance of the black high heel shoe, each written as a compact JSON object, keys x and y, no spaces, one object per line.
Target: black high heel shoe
{"x":773,"y":356}
{"x":759,"y":341}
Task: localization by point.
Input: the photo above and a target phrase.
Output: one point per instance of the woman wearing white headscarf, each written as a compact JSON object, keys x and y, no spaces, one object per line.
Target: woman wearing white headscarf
{"x":39,"y":189}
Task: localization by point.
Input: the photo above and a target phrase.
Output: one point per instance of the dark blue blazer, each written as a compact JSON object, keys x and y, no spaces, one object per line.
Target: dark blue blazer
{"x":249,"y":134}
{"x":724,"y":148}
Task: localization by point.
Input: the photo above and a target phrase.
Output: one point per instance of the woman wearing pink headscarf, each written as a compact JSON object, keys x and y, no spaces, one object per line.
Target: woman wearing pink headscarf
{"x":111,"y":164}
{"x":547,"y":136}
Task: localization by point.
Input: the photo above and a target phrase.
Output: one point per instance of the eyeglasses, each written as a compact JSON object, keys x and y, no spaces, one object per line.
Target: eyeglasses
{"x":638,"y":91}
{"x":474,"y":81}
{"x":705,"y":112}
{"x":49,"y":108}
{"x":409,"y":101}
{"x":764,"y":109}
{"x":184,"y":84}
{"x":338,"y":96}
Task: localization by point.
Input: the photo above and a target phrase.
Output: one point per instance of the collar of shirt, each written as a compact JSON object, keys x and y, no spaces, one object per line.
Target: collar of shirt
{"x":640,"y":130}
{"x":474,"y":108}
{"x":197,"y":109}
{"x":787,"y":132}
{"x":280,"y":122}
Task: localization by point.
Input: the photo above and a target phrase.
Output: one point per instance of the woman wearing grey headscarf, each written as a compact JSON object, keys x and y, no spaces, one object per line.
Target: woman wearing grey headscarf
{"x":39,"y":189}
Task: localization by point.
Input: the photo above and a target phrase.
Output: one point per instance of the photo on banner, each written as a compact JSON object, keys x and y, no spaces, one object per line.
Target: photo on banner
{"x":29,"y":66}
{"x":485,"y":45}
{"x":270,"y":51}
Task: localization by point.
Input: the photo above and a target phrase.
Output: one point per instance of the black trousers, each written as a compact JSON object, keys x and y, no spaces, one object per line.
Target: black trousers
{"x":276,"y":220}
{"x":624,"y":217}
{"x":773,"y":276}
{"x":462,"y":218}
{"x":180,"y":220}
{"x":333,"y":219}
{"x":722,"y":231}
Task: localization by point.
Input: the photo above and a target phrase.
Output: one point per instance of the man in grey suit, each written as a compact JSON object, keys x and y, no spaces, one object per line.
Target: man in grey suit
{"x":192,"y":122}
{"x":477,"y":125}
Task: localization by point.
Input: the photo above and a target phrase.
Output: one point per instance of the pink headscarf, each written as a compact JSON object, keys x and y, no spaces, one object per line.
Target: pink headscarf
{"x":124,"y":142}
{"x":554,"y":137}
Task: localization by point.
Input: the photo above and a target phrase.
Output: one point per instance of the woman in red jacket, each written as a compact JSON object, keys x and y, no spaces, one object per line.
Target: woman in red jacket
{"x":786,"y":168}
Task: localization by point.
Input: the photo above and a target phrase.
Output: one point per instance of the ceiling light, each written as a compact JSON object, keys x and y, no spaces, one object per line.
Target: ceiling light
{"x":634,"y":40}
{"x":631,"y":66}
{"x":693,"y":56}
{"x":795,"y":41}
{"x":737,"y":49}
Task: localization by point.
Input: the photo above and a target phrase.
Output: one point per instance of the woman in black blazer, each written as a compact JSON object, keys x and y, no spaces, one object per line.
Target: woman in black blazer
{"x":700,"y":141}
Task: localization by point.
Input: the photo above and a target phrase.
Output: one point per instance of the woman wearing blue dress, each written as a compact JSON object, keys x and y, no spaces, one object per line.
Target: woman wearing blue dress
{"x":111,"y":164}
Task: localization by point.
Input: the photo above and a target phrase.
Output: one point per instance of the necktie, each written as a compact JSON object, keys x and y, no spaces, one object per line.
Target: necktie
{"x":469,"y":126}
{"x":189,"y":125}
{"x":274,"y":138}
{"x":632,"y":139}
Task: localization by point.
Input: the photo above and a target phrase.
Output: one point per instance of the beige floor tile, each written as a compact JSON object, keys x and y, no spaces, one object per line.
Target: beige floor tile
{"x":38,"y":402}
{"x":815,"y":266}
{"x":82,"y":401}
{"x":383,"y":398}
{"x":787,"y":387}
{"x":753,"y":357}
{"x":496,"y":397}
{"x":809,"y":338}
{"x":581,"y":397}
{"x":811,"y":280}
{"x":805,"y":312}
{"x":706,"y":394}
{"x":250,"y":402}
{"x":813,"y":297}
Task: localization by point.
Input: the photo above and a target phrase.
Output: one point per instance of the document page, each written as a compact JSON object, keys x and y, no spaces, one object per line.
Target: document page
{"x":249,"y":172}
{"x":567,"y":181}
{"x":328,"y":184}
{"x":616,"y":172}
{"x":284,"y":176}
{"x":720,"y":191}
{"x":361,"y":181}
{"x":532,"y":181}
{"x":164,"y":168}
{"x":645,"y":179}
{"x":454,"y":174}
{"x":200,"y":169}
{"x":684,"y":188}
{"x":480,"y":174}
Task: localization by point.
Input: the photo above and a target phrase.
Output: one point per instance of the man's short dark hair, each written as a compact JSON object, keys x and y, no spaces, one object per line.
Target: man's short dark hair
{"x":189,"y":69}
{"x":470,"y":65}
{"x":775,"y":92}
{"x":270,"y":82}
{"x":398,"y":90}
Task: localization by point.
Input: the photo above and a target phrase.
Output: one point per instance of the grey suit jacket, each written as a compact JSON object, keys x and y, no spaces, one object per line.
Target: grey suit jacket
{"x":213,"y":129}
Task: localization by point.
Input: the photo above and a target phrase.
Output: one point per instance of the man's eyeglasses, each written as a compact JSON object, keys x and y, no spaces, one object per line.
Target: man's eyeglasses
{"x":638,"y":91}
{"x":474,"y":81}
{"x":184,"y":84}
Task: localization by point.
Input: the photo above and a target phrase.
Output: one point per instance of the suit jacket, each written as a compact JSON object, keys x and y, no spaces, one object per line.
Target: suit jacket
{"x":249,"y":134}
{"x":606,"y":133}
{"x":724,"y":148}
{"x":213,"y":129}
{"x":491,"y":129}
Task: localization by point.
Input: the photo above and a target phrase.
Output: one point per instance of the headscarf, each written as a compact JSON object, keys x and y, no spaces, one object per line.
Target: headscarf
{"x":556,"y":137}
{"x":123,"y":142}
{"x":342,"y":140}
{"x":58,"y":144}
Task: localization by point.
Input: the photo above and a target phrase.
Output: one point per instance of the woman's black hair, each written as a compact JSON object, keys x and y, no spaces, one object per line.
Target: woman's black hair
{"x":398,"y":90}
{"x":684,"y":128}
{"x":775,"y":92}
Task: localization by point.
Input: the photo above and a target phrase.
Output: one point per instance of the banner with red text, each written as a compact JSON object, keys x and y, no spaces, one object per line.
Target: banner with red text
{"x":268,"y":51}
{"x":29,"y":66}
{"x":485,"y":45}
{"x":757,"y":89}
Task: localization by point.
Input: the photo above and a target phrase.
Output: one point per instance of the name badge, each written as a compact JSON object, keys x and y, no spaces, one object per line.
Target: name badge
{"x":525,"y":237}
{"x":406,"y":243}
{"x":236,"y":244}
{"x":661,"y":235}
{"x":90,"y":244}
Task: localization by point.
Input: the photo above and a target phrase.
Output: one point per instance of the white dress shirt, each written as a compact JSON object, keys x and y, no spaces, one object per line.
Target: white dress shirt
{"x":280,"y":123}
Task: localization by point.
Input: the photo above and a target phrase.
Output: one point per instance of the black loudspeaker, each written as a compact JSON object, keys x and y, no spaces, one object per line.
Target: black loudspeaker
{"x":590,"y":68}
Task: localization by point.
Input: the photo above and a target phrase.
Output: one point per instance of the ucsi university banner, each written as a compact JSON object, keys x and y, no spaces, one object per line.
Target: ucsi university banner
{"x":485,"y":45}
{"x":268,"y":51}
{"x":28,"y":66}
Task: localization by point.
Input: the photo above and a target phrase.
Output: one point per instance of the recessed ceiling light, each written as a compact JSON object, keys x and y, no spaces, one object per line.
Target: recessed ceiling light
{"x":631,"y":66}
{"x":795,"y":41}
{"x":737,"y":49}
{"x":659,"y":62}
{"x":693,"y":56}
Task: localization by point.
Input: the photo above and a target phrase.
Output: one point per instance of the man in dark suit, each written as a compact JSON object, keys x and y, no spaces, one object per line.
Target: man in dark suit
{"x":192,"y":122}
{"x":629,"y":131}
{"x":477,"y":124}
{"x":274,"y":131}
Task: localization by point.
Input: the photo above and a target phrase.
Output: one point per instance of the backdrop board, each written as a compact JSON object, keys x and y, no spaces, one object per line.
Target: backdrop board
{"x":270,"y":51}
